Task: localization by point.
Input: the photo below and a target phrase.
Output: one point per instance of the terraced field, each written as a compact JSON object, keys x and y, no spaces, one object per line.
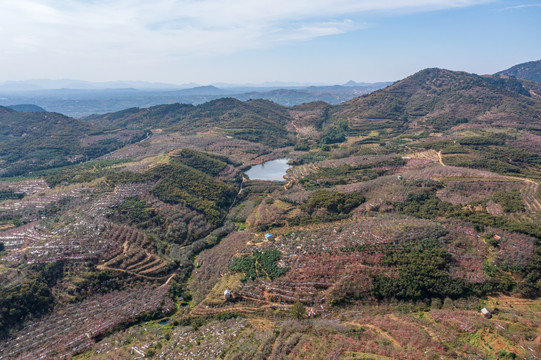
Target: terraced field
{"x":75,"y":327}
{"x":530,"y":198}
{"x":137,"y":257}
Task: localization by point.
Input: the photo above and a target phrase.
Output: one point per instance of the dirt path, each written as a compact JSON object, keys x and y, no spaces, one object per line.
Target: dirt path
{"x":378,"y":331}
{"x":168,"y":280}
{"x":440,"y":158}
{"x":201,"y":310}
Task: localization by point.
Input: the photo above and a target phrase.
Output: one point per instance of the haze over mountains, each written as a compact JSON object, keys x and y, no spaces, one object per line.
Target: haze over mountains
{"x":79,"y":99}
{"x":83,"y":98}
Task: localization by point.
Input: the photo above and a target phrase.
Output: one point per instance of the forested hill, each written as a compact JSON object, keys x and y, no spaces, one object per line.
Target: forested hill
{"x":431,"y":100}
{"x":27,"y":108}
{"x":254,"y":120}
{"x":439,"y":99}
{"x":529,"y":70}
{"x":34,"y":141}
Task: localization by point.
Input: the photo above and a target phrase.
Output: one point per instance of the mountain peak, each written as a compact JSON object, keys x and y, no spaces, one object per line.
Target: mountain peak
{"x":529,"y":71}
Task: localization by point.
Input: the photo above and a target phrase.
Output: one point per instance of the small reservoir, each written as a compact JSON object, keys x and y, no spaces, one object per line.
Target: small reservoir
{"x":271,"y":170}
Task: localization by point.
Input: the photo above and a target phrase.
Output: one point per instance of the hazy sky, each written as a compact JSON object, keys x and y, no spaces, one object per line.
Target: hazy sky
{"x":240,"y":41}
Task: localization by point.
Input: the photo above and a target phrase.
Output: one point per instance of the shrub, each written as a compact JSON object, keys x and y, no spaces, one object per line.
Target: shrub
{"x":334,"y":202}
{"x":297,"y":311}
{"x":509,"y":200}
{"x":301,"y":147}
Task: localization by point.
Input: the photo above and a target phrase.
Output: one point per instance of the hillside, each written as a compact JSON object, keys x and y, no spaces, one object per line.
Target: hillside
{"x":254,"y":120}
{"x":437,"y":100}
{"x":32,"y":141}
{"x":403,"y":214}
{"x":26,"y":108}
{"x":440,"y":99}
{"x":529,"y":71}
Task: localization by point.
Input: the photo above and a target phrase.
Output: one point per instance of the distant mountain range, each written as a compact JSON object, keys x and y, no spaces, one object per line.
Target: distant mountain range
{"x":84,"y":101}
{"x":65,"y":84}
{"x":529,"y":71}
{"x":430,"y":100}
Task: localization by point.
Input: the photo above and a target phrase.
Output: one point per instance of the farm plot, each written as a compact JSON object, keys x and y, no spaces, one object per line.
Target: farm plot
{"x":298,"y":172}
{"x":213,"y":263}
{"x":33,"y":243}
{"x":322,"y":261}
{"x":430,"y":155}
{"x":27,"y":187}
{"x":79,"y":233}
{"x":468,"y":251}
{"x":22,"y":236}
{"x":356,"y":232}
{"x":75,"y":327}
{"x":42,"y":199}
{"x":440,"y":172}
{"x":137,"y":256}
{"x":183,"y":342}
{"x":464,"y":192}
{"x":46,"y":248}
{"x":529,"y":196}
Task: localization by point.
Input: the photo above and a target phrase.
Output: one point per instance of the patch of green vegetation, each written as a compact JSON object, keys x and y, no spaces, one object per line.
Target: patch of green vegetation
{"x":200,"y":191}
{"x":301,"y":146}
{"x":9,"y":194}
{"x":476,"y":141}
{"x":135,"y":211}
{"x":259,"y":264}
{"x":240,"y":225}
{"x":428,"y":206}
{"x":207,"y":163}
{"x":333,"y":201}
{"x":337,"y":207}
{"x":95,"y":281}
{"x":422,"y":273}
{"x":502,"y":354}
{"x":32,"y":296}
{"x":336,"y":134}
{"x":443,"y":122}
{"x":509,"y":200}
{"x":297,"y":311}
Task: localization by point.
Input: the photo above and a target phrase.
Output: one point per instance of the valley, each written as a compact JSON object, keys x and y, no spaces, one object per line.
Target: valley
{"x":402,"y":214}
